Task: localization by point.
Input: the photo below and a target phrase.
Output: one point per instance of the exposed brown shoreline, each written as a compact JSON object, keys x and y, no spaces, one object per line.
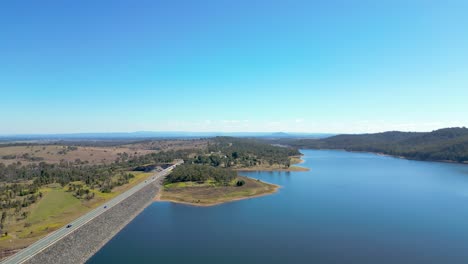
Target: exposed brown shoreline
{"x":274,"y":189}
{"x":158,"y":199}
{"x":290,"y":169}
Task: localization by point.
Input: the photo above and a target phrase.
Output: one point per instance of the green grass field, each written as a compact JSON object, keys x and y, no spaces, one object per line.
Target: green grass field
{"x":54,"y":210}
{"x":207,"y":194}
{"x":55,"y":203}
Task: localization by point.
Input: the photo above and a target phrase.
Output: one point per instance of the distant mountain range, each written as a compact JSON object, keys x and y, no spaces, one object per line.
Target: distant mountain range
{"x":448,"y":144}
{"x":151,"y":134}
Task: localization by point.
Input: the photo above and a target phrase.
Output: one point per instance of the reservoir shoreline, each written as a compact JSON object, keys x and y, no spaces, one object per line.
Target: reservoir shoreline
{"x":294,"y":161}
{"x":392,"y":156}
{"x":263,"y":189}
{"x":159,"y":199}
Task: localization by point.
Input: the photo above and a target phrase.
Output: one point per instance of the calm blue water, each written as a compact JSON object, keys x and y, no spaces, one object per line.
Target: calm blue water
{"x":350,"y":208}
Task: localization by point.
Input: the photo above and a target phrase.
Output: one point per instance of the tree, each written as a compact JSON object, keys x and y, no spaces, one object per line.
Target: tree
{"x":4,"y":215}
{"x":240,"y":183}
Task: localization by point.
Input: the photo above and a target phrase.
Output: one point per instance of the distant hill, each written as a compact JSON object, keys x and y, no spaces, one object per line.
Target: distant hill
{"x":448,"y":144}
{"x":280,"y":135}
{"x":283,"y":135}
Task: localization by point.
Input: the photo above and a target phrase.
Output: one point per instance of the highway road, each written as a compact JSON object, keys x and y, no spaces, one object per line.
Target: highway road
{"x":52,"y":238}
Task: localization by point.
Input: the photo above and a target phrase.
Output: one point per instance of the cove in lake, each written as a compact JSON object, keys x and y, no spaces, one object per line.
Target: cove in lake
{"x":350,"y":208}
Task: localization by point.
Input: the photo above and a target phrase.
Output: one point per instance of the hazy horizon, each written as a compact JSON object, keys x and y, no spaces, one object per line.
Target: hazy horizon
{"x":355,"y":131}
{"x":195,"y":133}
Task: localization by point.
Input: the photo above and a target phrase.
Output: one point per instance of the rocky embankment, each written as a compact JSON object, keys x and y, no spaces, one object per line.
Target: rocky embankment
{"x":83,"y":243}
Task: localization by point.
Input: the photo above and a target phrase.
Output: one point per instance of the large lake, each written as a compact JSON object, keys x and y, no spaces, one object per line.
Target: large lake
{"x":350,"y":208}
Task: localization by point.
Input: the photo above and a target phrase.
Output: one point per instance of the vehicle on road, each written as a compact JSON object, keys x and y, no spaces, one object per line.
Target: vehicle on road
{"x":69,"y":225}
{"x":105,"y":206}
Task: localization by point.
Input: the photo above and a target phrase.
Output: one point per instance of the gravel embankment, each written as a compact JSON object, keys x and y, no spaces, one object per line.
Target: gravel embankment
{"x":83,"y":243}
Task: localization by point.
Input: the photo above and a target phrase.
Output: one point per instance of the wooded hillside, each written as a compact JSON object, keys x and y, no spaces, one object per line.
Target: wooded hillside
{"x":449,"y":144}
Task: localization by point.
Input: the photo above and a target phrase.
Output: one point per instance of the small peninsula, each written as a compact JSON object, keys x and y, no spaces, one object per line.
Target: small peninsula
{"x":210,"y":193}
{"x":211,"y":177}
{"x":206,"y":185}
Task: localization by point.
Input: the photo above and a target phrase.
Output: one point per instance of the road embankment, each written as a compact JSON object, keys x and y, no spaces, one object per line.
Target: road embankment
{"x":84,"y":242}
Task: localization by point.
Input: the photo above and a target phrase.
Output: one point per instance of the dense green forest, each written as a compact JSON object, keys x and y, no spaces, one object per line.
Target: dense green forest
{"x":449,"y":144}
{"x":231,"y":152}
{"x":226,"y":153}
{"x":200,"y":174}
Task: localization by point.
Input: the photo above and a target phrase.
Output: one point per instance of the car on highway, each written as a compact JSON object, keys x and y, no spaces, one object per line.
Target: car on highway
{"x":105,"y":206}
{"x":69,"y":225}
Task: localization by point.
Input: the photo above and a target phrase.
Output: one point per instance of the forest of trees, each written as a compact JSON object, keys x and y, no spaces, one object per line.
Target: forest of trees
{"x":226,"y":153}
{"x":231,"y":152}
{"x":64,"y":172}
{"x":449,"y":144}
{"x":201,"y":173}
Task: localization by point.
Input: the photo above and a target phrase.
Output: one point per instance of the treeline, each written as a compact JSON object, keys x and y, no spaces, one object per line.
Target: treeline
{"x":201,"y":173}
{"x":64,"y":172}
{"x":25,"y":156}
{"x":226,"y":153}
{"x":18,"y":196}
{"x":449,"y":144}
{"x":231,"y":152}
{"x":161,"y":157}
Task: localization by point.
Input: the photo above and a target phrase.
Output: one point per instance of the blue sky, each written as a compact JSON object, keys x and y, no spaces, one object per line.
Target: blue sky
{"x":217,"y":65}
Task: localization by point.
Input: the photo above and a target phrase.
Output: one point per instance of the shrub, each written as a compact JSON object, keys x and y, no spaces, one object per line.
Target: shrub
{"x":240,"y":183}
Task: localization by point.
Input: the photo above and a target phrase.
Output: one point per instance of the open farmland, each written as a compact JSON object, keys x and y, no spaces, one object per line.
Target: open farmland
{"x":92,"y":153}
{"x":164,"y":145}
{"x":58,"y":153}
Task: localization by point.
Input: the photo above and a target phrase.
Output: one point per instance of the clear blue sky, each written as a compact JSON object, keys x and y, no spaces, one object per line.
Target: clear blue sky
{"x":244,"y":65}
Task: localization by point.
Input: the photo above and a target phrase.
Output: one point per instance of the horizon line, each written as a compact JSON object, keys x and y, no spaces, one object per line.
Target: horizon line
{"x":210,"y":132}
